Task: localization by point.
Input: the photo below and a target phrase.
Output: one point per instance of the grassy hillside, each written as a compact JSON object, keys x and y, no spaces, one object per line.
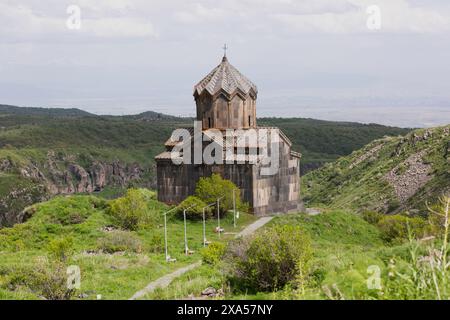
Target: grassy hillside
{"x":321,"y":141}
{"x":114,"y":263}
{"x":390,"y":174}
{"x":347,"y":252}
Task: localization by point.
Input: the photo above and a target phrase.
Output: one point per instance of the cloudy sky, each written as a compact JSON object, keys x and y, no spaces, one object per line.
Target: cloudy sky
{"x":327,"y":59}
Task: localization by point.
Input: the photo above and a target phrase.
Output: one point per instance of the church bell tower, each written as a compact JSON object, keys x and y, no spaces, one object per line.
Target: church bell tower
{"x":226,"y":99}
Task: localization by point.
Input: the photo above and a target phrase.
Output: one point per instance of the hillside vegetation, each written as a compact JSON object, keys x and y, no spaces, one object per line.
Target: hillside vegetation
{"x":388,"y":175}
{"x":116,"y":259}
{"x":322,"y":141}
{"x":345,"y":256}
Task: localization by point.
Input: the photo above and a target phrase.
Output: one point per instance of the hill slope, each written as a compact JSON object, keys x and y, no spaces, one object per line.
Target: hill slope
{"x":322,"y":141}
{"x":50,"y":112}
{"x":387,"y":175}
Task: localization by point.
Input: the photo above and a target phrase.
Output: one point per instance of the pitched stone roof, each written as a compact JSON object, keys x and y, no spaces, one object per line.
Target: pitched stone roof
{"x":226,"y":79}
{"x":237,"y":141}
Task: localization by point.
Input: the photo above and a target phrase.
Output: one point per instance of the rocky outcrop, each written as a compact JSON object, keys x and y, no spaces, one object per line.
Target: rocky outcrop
{"x":412,"y":140}
{"x":366,"y":155}
{"x":408,"y":177}
{"x":5,"y":165}
{"x":12,"y":204}
{"x":390,"y":175}
{"x":71,"y":177}
{"x":62,"y":174}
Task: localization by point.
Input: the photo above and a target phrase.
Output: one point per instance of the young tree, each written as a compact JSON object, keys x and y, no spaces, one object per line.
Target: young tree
{"x":214,"y":187}
{"x":194,"y":208}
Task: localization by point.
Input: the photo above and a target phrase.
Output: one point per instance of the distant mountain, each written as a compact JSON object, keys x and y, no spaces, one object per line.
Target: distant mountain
{"x":388,"y":175}
{"x":151,"y":116}
{"x":49,"y":112}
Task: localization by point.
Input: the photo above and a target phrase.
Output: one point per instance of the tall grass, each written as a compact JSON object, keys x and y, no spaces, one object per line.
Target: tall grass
{"x":426,"y":275}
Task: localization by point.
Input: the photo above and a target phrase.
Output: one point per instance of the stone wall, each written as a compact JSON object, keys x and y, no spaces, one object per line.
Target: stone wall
{"x":177,"y":182}
{"x":266,"y":194}
{"x":280,"y":192}
{"x":221,"y":113}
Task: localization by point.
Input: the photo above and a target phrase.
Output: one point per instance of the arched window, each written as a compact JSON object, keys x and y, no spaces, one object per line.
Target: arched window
{"x":249,"y":121}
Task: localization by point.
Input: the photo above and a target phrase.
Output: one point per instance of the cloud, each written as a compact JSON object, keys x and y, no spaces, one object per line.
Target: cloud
{"x":106,"y":5}
{"x":118,"y":28}
{"x":199,"y":13}
{"x":397,"y":16}
{"x":100,"y":19}
{"x":154,"y":50}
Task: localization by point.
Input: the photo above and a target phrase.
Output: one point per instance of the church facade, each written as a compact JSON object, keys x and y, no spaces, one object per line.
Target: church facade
{"x":259,"y":160}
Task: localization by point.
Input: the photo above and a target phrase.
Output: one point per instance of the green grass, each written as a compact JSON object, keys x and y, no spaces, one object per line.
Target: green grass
{"x":344,"y":246}
{"x":358,"y":181}
{"x":114,"y":276}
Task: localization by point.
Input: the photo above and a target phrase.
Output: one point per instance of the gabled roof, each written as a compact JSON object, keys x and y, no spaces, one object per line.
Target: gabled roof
{"x":237,"y":140}
{"x":226,"y":79}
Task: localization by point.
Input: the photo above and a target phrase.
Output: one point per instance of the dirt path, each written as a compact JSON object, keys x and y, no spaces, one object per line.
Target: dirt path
{"x":254,"y":226}
{"x":164,"y":281}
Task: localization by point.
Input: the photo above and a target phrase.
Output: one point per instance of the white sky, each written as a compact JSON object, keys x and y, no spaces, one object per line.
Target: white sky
{"x":309,"y":58}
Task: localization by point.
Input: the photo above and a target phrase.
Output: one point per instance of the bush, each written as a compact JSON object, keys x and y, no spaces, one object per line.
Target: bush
{"x":195,"y":206}
{"x":45,"y":279}
{"x":393,"y":205}
{"x":66,"y":210}
{"x":372,"y":217}
{"x":130,"y":211}
{"x":213,"y":253}
{"x":61,"y":249}
{"x":214,"y":187}
{"x":271,"y":259}
{"x":147,"y":194}
{"x":395,"y":227}
{"x":51,"y":282}
{"x":119,"y":241}
{"x":157,"y":243}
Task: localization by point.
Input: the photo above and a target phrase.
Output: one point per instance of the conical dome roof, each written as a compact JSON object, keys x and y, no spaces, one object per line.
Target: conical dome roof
{"x":226,"y":79}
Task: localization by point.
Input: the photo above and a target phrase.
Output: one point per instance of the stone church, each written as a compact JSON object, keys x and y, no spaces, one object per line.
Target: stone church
{"x":259,"y":160}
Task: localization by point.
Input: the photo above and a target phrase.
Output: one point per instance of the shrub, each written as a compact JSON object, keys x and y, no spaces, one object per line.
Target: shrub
{"x":214,"y":187}
{"x":45,"y":279}
{"x":270,"y":259}
{"x":372,"y":217}
{"x":425,"y":276}
{"x":130,"y":211}
{"x":51,"y":282}
{"x":395,"y":227}
{"x":157,"y":243}
{"x":66,"y":210}
{"x":393,"y":205}
{"x":213,"y":253}
{"x":61,"y":248}
{"x":195,"y":206}
{"x":119,"y":241}
{"x":147,"y":194}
